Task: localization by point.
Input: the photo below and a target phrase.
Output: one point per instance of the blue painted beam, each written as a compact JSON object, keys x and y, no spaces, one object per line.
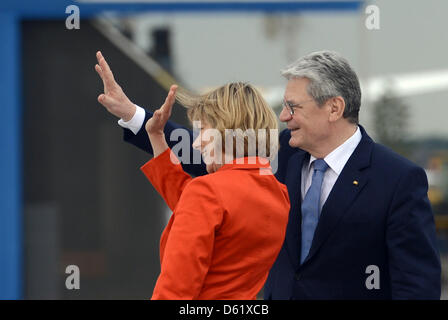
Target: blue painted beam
{"x":56,"y":8}
{"x":10,"y":160}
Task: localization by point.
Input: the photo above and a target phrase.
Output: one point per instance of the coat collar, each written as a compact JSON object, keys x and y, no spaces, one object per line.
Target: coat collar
{"x":246,"y":163}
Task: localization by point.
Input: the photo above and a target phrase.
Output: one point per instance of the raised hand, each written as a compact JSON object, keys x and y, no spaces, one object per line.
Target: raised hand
{"x":113,"y":98}
{"x":156,"y":124}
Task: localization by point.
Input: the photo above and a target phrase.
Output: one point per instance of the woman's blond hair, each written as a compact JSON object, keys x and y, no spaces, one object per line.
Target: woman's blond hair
{"x":235,"y":105}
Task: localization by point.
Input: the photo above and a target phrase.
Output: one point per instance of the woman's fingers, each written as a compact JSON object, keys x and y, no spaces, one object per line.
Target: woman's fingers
{"x":169,"y":101}
{"x":161,"y":116}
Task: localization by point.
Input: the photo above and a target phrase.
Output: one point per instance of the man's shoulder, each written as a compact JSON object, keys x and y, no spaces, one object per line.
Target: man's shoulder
{"x":384,"y":154}
{"x":388,"y":162}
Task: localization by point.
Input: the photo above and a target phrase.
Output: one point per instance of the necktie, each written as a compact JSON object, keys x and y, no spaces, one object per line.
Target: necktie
{"x":310,"y":207}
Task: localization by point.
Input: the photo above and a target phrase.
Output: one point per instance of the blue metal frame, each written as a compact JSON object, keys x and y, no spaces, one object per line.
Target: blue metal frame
{"x":11,"y":13}
{"x":10,"y":160}
{"x":56,"y":8}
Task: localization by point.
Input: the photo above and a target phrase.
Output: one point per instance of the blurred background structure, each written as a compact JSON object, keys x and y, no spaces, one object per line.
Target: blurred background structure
{"x":71,"y":191}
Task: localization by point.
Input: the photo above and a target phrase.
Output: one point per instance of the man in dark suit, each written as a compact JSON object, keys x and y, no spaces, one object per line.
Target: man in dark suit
{"x":360,"y":224}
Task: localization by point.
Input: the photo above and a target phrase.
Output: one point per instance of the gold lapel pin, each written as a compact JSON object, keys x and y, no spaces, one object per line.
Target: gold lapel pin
{"x":355,"y":182}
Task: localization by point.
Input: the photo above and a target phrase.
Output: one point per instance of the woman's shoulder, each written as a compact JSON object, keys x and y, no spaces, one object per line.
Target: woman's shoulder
{"x":201,"y":183}
{"x":214,"y":182}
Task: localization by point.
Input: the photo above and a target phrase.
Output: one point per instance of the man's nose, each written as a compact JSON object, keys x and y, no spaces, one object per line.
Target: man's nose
{"x":285,"y":115}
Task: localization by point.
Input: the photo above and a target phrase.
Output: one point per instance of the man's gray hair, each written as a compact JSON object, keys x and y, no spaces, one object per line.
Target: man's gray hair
{"x":330,"y":75}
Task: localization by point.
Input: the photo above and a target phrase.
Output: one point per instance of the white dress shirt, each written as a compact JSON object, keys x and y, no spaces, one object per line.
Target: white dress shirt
{"x":136,"y":122}
{"x":336,"y":161}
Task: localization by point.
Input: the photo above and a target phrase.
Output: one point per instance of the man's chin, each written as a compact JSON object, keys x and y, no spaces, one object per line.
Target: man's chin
{"x":294,"y":143}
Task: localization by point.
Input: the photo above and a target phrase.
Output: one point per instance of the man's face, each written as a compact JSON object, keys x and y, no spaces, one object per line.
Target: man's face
{"x":310,"y":123}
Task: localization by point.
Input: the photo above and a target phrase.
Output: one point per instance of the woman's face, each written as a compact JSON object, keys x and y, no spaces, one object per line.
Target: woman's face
{"x":204,"y":143}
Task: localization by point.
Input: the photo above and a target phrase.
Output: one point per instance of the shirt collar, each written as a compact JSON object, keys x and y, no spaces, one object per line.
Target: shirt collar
{"x":337,"y":159}
{"x":247,"y":163}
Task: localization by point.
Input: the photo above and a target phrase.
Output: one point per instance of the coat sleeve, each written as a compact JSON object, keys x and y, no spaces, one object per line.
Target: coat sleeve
{"x":414,"y":261}
{"x":167,"y":176}
{"x":193,"y":163}
{"x":189,"y":247}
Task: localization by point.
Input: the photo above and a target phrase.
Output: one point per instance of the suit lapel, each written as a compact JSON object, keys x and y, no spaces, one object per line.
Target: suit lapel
{"x":293,"y":183}
{"x":349,"y":184}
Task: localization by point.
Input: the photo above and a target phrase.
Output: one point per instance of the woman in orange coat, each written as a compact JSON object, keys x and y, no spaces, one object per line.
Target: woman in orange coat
{"x":228,"y":226}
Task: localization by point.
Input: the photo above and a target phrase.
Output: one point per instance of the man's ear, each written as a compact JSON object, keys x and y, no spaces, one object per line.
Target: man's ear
{"x":337,"y":107}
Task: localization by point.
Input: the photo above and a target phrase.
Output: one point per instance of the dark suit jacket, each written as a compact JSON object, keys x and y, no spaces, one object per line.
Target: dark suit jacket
{"x":384,"y":220}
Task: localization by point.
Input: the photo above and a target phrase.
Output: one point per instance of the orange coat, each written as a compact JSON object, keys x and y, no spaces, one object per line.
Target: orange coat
{"x":225,"y":232}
